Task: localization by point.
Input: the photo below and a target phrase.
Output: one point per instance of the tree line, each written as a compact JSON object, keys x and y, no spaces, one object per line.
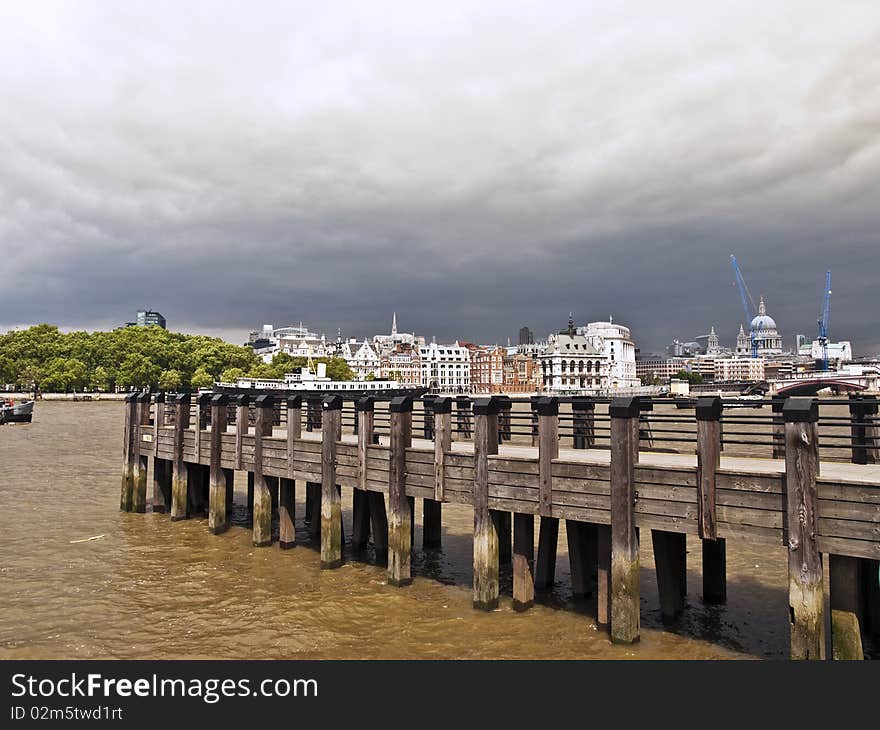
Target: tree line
{"x":45,"y":359}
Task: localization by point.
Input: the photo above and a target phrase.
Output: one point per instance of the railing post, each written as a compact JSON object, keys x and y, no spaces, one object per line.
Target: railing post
{"x":533,"y":405}
{"x":708,"y":412}
{"x":242,"y":426}
{"x":805,"y":588}
{"x":179,"y":474}
{"x":625,"y":591}
{"x":864,"y":430}
{"x":432,"y":508}
{"x":360,"y":501}
{"x":219,"y":479}
{"x":128,"y":445}
{"x":140,"y":456}
{"x":504,"y":407}
{"x":583,"y":411}
{"x":485,"y":530}
{"x":463,"y":417}
{"x":287,"y":485}
{"x":161,"y":467}
{"x":428,"y":415}
{"x":547,"y":410}
{"x":262,"y":497}
{"x":331,"y":501}
{"x":400,"y":524}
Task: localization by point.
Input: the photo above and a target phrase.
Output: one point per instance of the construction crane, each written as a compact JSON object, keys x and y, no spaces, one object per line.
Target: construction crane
{"x":823,"y":322}
{"x":746,"y":296}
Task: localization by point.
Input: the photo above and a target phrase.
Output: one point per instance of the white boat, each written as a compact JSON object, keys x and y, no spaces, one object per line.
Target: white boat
{"x":11,"y":412}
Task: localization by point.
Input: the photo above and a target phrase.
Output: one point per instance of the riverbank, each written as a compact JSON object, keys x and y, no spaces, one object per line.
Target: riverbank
{"x":72,"y":397}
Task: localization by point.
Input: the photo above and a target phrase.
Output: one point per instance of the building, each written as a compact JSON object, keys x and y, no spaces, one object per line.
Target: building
{"x":521,"y":373}
{"x":446,"y":368}
{"x":148,"y":318}
{"x":364,"y":363}
{"x":570,"y":362}
{"x":526,"y":336}
{"x":660,"y":369}
{"x":768,"y":341}
{"x":294,"y":340}
{"x":403,"y":364}
{"x":739,"y":369}
{"x":615,"y":343}
{"x":487,"y":370}
{"x":384,"y":344}
{"x":837,"y":351}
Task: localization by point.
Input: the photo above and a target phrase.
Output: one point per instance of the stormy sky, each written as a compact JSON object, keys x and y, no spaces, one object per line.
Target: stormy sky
{"x":475,"y":166}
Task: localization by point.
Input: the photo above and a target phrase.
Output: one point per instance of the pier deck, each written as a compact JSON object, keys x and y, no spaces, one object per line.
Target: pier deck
{"x":608,"y":497}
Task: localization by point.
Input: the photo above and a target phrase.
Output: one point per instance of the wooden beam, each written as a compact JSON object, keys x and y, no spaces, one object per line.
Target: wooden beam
{"x":581,"y":556}
{"x":523,"y":561}
{"x":805,"y":585}
{"x":131,"y":419}
{"x":400,"y":522}
{"x":140,"y":456}
{"x":603,"y":576}
{"x":547,"y":411}
{"x":364,"y":417}
{"x":846,"y":607}
{"x":625,"y":591}
{"x":218,"y":517}
{"x":708,"y":413}
{"x":179,"y":472}
{"x":485,"y":528}
{"x":262,"y":509}
{"x":331,"y":501}
{"x":545,"y":567}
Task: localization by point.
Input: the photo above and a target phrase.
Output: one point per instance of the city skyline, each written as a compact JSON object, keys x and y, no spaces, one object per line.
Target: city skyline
{"x":319,"y":172}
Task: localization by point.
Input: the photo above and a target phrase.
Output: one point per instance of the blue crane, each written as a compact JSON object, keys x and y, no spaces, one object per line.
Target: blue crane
{"x":823,"y":323}
{"x":746,"y":296}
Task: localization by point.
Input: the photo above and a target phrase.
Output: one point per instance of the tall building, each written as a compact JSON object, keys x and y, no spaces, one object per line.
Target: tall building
{"x":570,"y":362}
{"x":148,"y":318}
{"x":526,"y":336}
{"x":768,"y":341}
{"x":446,"y":368}
{"x":616,"y":344}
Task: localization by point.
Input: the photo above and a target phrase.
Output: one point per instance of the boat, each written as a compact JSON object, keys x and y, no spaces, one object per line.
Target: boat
{"x":11,"y":412}
{"x":753,"y":400}
{"x":304,"y":381}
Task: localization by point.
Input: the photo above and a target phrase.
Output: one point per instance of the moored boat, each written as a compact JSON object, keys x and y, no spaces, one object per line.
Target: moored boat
{"x":11,"y":412}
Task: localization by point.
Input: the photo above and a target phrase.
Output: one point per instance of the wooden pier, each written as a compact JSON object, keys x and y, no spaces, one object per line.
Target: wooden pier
{"x":608,"y":497}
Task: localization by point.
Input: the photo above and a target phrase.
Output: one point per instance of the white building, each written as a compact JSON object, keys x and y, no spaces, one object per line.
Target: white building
{"x":296,"y":341}
{"x":837,"y":351}
{"x":570,"y":362}
{"x":738,"y":369}
{"x":384,"y":344}
{"x":446,"y":367}
{"x":768,"y":341}
{"x":364,"y":362}
{"x":616,"y":344}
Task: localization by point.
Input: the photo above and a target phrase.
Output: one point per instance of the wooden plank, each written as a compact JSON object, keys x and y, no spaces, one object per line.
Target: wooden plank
{"x":577,"y":470}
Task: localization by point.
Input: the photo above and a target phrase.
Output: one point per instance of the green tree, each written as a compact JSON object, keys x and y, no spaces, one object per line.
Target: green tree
{"x":230,"y":375}
{"x":692,"y":378}
{"x":170,"y":380}
{"x":101,"y":379}
{"x":138,"y":371}
{"x":201,"y":378}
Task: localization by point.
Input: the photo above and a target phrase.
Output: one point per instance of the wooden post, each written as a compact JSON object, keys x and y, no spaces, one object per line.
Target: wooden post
{"x":287,"y":485}
{"x":533,"y":405}
{"x":708,"y":413}
{"x":504,"y":407}
{"x":360,"y":501}
{"x":603,"y":575}
{"x":262,"y":498}
{"x":428,"y":417}
{"x":583,"y":410}
{"x":581,"y":537}
{"x":864,"y":430}
{"x":523,"y":561}
{"x":220,"y":479}
{"x":846,"y":607}
{"x":128,"y":445}
{"x":670,"y":562}
{"x":158,"y":420}
{"x":805,"y":589}
{"x":547,"y":409}
{"x":331,"y":501}
{"x":776,"y":405}
{"x":241,"y":426}
{"x":400,"y":524}
{"x":625,"y":591}
{"x":485,"y":529}
{"x":179,"y":473}
{"x":433,"y":510}
{"x":140,"y":455}
{"x":161,"y":467}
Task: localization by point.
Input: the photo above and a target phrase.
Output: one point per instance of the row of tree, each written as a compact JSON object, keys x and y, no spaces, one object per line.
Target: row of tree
{"x":43,"y":358}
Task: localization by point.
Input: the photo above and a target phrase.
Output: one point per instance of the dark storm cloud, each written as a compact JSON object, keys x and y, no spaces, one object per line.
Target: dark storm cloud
{"x":474,"y":170}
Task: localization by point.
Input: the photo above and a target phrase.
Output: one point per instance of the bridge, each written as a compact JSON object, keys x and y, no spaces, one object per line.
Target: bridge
{"x":844,"y":381}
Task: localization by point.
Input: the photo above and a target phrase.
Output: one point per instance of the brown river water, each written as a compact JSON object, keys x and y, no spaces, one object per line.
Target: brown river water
{"x":150,"y":589}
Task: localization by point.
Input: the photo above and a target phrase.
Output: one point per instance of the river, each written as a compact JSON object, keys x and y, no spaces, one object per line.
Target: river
{"x":149,"y":589}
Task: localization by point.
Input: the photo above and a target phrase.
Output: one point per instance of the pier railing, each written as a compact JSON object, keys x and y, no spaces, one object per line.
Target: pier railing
{"x":610,"y":469}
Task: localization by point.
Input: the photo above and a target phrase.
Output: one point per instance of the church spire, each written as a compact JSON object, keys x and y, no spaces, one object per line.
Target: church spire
{"x":394,"y":324}
{"x":762,"y":309}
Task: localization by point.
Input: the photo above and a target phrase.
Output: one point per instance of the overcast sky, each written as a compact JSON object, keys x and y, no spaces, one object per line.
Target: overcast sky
{"x":474,"y":166}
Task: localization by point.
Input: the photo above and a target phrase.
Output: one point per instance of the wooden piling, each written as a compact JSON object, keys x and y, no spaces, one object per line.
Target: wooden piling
{"x":331,"y":501}
{"x":625,"y":591}
{"x":846,"y":607}
{"x":670,"y":562}
{"x":708,"y":414}
{"x":806,"y":598}
{"x":432,"y":509}
{"x":263,"y":405}
{"x":360,"y":501}
{"x":523,"y":561}
{"x":287,"y":485}
{"x":581,"y":538}
{"x":161,"y":467}
{"x":400,"y":522}
{"x":140,"y":456}
{"x":128,"y":450}
{"x":220,"y":479}
{"x":242,"y":426}
{"x":547,"y":410}
{"x":179,"y":472}
{"x":603,"y":576}
{"x":486,"y":561}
